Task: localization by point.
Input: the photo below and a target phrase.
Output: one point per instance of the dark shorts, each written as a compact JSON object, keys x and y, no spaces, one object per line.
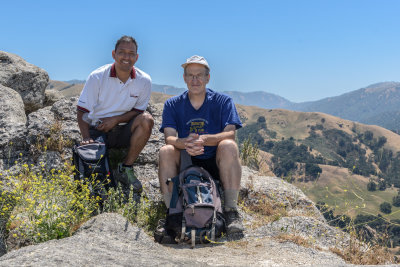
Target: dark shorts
{"x":118,"y":137}
{"x":208,"y":164}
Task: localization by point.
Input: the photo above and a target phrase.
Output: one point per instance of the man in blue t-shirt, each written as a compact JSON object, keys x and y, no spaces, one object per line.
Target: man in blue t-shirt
{"x":203,"y":123}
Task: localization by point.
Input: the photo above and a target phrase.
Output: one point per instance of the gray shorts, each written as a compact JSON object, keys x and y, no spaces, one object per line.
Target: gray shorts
{"x":118,"y":137}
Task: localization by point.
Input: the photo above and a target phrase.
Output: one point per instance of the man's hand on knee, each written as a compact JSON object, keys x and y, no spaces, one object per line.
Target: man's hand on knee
{"x":107,"y":124}
{"x":86,"y":141}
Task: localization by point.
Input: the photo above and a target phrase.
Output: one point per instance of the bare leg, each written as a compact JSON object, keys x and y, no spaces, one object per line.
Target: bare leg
{"x":168,"y":166}
{"x":141,"y":131}
{"x":230,"y":170}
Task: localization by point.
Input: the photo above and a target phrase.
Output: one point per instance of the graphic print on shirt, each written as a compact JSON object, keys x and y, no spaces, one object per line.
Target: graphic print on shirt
{"x":197,"y":125}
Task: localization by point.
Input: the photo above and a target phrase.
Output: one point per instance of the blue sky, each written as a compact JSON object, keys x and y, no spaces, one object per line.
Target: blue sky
{"x":301,"y":50}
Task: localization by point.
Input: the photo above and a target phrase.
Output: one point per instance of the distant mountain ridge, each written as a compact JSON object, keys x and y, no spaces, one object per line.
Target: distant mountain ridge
{"x":375,"y":104}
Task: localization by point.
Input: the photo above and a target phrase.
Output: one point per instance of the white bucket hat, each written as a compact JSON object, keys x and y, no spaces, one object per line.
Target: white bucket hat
{"x":196,"y":60}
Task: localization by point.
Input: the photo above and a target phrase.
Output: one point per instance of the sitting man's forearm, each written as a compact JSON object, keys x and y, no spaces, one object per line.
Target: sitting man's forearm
{"x":110,"y":122}
{"x":83,"y":126}
{"x":214,"y":139}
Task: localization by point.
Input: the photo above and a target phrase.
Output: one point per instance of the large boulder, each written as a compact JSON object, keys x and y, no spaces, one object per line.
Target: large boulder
{"x":28,"y":80}
{"x":12,"y":126}
{"x":280,"y":192}
{"x":39,"y":125}
{"x":65,"y":112}
{"x":51,"y":97}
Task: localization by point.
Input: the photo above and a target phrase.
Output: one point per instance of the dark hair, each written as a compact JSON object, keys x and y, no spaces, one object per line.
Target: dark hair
{"x":126,"y":39}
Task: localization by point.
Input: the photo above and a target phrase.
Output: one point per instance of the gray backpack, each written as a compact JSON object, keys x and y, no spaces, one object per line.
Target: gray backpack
{"x":195,"y":212}
{"x":91,"y":160}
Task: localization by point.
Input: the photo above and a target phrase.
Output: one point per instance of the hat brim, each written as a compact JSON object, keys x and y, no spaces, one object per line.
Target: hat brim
{"x":188,"y":63}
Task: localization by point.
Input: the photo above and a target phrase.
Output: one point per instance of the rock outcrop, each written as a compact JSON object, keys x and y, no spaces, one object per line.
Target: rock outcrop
{"x":28,"y":80}
{"x":110,"y":240}
{"x":12,"y":126}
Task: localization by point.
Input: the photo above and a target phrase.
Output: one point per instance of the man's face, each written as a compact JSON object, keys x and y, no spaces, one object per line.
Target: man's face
{"x":125,"y":56}
{"x":196,"y":78}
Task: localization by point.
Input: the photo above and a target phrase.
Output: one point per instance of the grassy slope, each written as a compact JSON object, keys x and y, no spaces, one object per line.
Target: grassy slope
{"x":331,"y":186}
{"x":348,"y":193}
{"x":294,"y":124}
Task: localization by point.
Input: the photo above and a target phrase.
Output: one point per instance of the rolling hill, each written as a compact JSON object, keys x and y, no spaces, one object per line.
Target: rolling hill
{"x":339,"y":184}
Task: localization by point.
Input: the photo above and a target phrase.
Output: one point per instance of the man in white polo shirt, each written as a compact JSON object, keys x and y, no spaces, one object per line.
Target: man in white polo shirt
{"x":113,"y":103}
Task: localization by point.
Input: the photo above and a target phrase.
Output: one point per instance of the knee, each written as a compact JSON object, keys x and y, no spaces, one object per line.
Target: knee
{"x":168,"y":153}
{"x":146,"y":121}
{"x":227,"y":149}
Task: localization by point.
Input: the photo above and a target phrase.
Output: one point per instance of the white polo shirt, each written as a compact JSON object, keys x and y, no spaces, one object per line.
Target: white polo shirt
{"x":104,"y":95}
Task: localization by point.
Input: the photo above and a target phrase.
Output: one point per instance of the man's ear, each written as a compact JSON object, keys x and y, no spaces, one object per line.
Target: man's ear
{"x":208,"y":78}
{"x":113,"y":54}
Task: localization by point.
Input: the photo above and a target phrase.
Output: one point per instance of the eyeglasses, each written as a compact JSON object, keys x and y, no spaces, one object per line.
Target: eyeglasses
{"x":191,"y":77}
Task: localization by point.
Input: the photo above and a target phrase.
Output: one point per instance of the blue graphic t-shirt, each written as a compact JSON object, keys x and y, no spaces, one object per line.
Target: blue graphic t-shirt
{"x":217,"y":111}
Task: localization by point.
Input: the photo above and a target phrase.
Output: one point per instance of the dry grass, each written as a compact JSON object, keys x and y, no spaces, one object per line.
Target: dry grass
{"x":157,"y":97}
{"x":262,"y":208}
{"x":298,"y":240}
{"x":239,"y":244}
{"x":55,"y":141}
{"x":372,"y":256}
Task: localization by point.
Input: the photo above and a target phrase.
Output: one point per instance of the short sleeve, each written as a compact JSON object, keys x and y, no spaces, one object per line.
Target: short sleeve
{"x":230,"y":115}
{"x":89,"y":95}
{"x":168,"y":116}
{"x":144,"y":97}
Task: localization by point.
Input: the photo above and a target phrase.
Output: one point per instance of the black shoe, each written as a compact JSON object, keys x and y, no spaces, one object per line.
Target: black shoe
{"x":233,"y":221}
{"x":161,"y":236}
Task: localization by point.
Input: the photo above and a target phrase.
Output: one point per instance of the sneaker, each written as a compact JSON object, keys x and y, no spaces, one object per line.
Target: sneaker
{"x":233,"y":221}
{"x":127,"y":177}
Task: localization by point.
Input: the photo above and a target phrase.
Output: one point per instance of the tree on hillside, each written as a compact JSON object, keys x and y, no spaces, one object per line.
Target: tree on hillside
{"x":313,"y":171}
{"x":368,"y":135}
{"x":371,"y":186}
{"x":385,"y":207}
{"x":396,"y":200}
{"x":382,"y":185}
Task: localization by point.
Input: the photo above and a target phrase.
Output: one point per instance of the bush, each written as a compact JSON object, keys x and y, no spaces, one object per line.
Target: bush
{"x":249,"y":153}
{"x":41,"y":205}
{"x":46,"y":205}
{"x":385,"y":207}
{"x":396,"y":200}
{"x":382,"y":185}
{"x":313,"y":170}
{"x":261,"y":119}
{"x":137,"y":209}
{"x":371,"y":186}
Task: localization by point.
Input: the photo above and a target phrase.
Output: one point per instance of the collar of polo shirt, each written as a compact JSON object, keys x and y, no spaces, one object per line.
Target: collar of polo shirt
{"x":113,"y":72}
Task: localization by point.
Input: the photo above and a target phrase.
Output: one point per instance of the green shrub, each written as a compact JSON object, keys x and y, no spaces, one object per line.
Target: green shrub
{"x":137,"y":209}
{"x":45,"y":205}
{"x":385,"y":207}
{"x":396,"y":200}
{"x":371,"y":186}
